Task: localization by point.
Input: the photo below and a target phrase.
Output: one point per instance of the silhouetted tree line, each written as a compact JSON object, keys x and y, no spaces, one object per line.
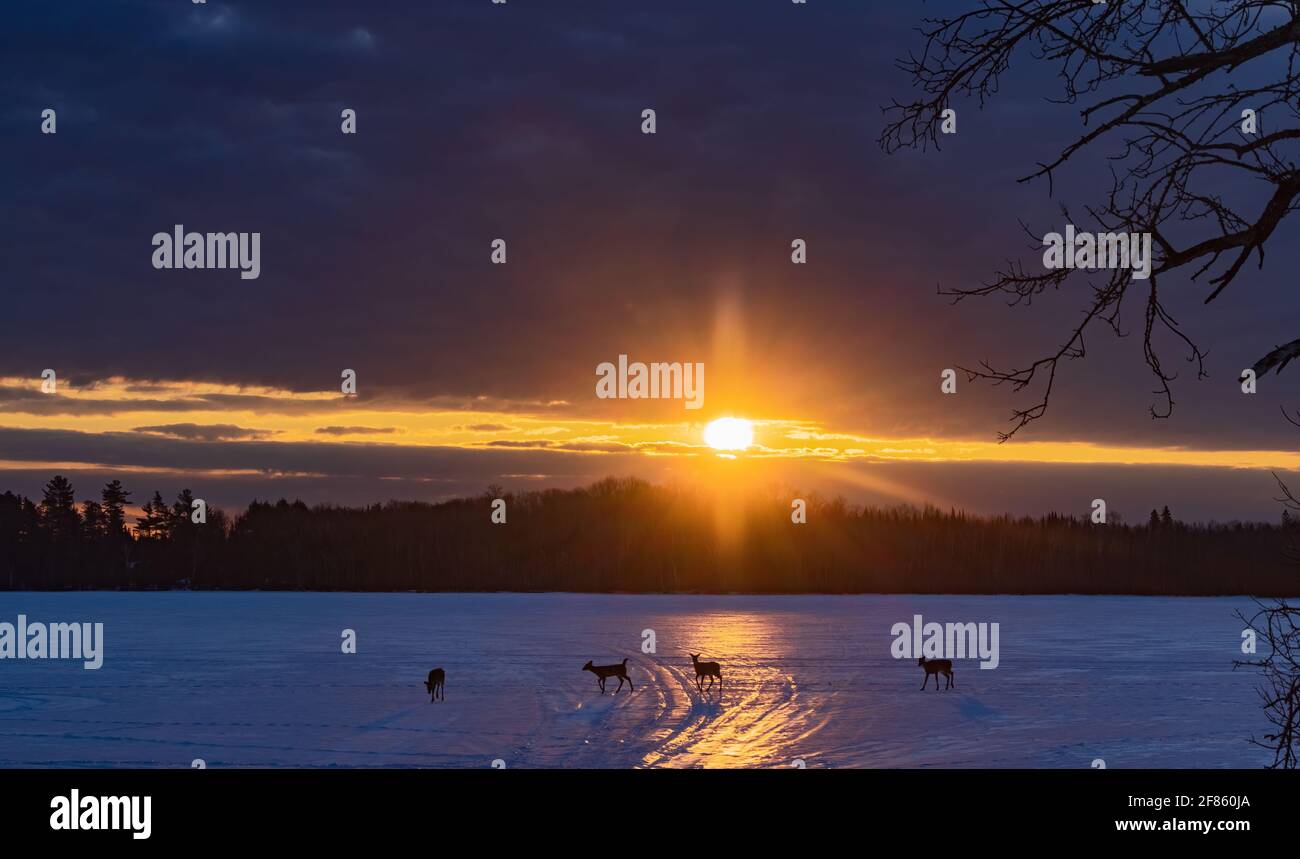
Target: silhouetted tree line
{"x":623,"y":534}
{"x":54,"y":544}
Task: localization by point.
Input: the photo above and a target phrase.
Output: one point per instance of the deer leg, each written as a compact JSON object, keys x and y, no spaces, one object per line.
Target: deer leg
{"x":620,"y":686}
{"x":925,"y":682}
{"x":630,"y":687}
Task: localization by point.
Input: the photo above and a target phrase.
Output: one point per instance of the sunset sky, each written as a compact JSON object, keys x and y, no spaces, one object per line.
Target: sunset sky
{"x":522,"y":121}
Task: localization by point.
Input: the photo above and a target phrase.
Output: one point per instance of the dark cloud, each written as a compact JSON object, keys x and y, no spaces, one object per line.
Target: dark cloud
{"x":357,"y":430}
{"x":595,"y":446}
{"x":571,"y":446}
{"x":231,"y":474}
{"x":206,"y":432}
{"x":22,"y":401}
{"x":374,"y":251}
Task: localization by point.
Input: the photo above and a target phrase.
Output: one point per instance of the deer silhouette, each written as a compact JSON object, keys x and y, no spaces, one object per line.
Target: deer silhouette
{"x":603,"y":672}
{"x":937,"y":667}
{"x":706,"y":669}
{"x":434,"y":684}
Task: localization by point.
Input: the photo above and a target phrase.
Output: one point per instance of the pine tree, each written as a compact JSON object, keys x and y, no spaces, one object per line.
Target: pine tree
{"x":92,"y":521}
{"x":180,"y":514}
{"x":113,"y":497}
{"x":59,"y":509}
{"x":156,"y":521}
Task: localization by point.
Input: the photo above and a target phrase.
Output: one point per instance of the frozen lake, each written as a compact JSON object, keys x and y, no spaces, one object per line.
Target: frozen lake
{"x":259,"y":679}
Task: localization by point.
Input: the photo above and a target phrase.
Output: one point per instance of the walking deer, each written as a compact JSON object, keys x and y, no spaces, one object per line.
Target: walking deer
{"x":434,"y":684}
{"x":706,"y":669}
{"x":603,"y":672}
{"x":937,"y":667}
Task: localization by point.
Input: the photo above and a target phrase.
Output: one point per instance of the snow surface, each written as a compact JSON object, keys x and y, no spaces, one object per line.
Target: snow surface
{"x":259,"y":679}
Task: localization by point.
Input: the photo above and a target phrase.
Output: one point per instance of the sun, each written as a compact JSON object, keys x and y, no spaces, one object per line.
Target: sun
{"x":729,"y":434}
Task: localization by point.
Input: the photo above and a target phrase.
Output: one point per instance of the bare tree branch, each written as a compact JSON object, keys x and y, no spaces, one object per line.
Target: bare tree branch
{"x":1165,"y":84}
{"x":1279,"y":627}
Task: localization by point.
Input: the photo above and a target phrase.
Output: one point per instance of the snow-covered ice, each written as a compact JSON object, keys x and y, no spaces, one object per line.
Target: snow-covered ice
{"x":259,"y":679}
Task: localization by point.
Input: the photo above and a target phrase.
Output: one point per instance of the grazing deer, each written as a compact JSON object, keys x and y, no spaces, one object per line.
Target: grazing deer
{"x":434,"y":684}
{"x":706,"y":669}
{"x":604,"y":671}
{"x":937,"y":667}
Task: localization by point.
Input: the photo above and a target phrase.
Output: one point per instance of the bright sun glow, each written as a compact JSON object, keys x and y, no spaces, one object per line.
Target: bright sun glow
{"x":729,"y":434}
